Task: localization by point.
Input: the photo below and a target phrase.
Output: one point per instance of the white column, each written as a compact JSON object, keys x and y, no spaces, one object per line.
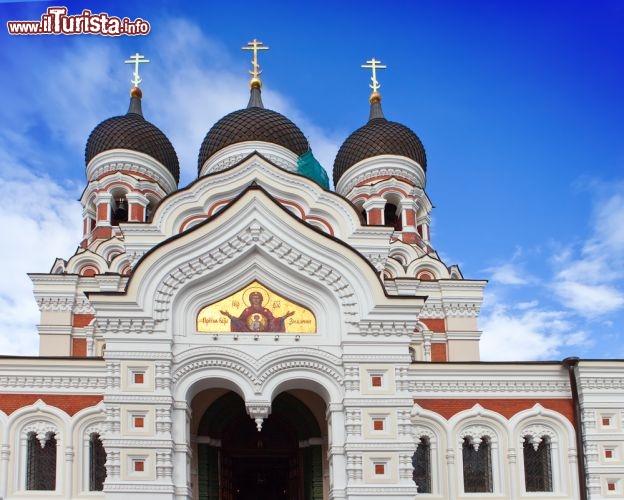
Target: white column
{"x":512,"y":468}
{"x":452,"y":472}
{"x":181,"y":450}
{"x":103,"y":199}
{"x":5,"y":454}
{"x":337,"y":459}
{"x":69,"y":472}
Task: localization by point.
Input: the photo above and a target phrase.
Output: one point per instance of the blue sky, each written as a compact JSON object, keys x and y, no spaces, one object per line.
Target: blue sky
{"x":519,"y":105}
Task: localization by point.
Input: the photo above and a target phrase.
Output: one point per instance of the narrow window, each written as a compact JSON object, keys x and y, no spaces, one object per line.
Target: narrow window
{"x":41,"y":463}
{"x":421,"y":460}
{"x":477,"y":466}
{"x":391,"y":217}
{"x":119,"y":211}
{"x":97,"y":461}
{"x":537,"y":465}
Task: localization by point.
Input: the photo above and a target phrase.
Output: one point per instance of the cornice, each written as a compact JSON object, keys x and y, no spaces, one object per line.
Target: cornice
{"x":529,"y":388}
{"x":601,"y":383}
{"x":382,"y":165}
{"x":51,"y":383}
{"x":117,"y":160}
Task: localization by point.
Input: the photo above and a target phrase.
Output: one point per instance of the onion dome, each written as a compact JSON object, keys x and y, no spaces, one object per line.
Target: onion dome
{"x":254,"y":123}
{"x":378,"y":137}
{"x":309,"y":166}
{"x":133,"y":132}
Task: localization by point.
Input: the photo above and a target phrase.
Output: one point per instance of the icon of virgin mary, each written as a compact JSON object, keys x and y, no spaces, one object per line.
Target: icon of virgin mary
{"x":257,"y":318}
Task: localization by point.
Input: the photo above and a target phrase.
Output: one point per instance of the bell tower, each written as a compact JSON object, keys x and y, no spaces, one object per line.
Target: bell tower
{"x":131,"y":166}
{"x":381,"y":168}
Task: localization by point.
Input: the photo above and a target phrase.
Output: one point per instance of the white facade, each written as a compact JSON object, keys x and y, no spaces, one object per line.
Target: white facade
{"x":392,"y":364}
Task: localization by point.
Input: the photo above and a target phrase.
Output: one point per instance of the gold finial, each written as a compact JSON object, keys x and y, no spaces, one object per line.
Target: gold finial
{"x":374,"y":64}
{"x":136,"y":59}
{"x":255,"y":73}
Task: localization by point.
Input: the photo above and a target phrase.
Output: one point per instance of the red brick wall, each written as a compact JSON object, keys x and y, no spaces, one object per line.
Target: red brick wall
{"x":436,"y":325}
{"x":438,"y":352}
{"x":375,"y":217}
{"x":80,"y":320}
{"x":69,"y":403}
{"x":506,"y":407}
{"x":137,"y":212}
{"x":79,"y":347}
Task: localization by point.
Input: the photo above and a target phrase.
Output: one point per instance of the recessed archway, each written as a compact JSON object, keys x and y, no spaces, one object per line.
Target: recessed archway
{"x":235,"y":461}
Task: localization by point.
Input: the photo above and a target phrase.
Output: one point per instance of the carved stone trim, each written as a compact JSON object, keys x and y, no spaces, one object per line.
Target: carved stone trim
{"x":55,"y":304}
{"x":421,"y":387}
{"x":43,"y":430}
{"x":97,"y":428}
{"x":536,"y":433}
{"x":255,"y":234}
{"x":476,"y":433}
{"x":116,"y":326}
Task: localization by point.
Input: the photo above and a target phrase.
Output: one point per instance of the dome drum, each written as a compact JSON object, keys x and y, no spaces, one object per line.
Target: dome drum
{"x":381,"y":166}
{"x":235,"y":153}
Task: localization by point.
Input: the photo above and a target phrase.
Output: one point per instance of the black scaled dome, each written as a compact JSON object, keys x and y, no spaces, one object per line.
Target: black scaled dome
{"x":132,"y":131}
{"x":378,"y":137}
{"x":254,"y":123}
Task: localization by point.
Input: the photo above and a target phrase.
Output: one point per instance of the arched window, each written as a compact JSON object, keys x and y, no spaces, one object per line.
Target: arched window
{"x":41,"y":462}
{"x":537,"y":464}
{"x":392,"y":218}
{"x":119,"y":208}
{"x":97,"y":461}
{"x":477,"y":461}
{"x":421,"y":460}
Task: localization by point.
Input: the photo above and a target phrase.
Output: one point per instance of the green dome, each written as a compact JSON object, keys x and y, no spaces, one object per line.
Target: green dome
{"x":309,"y":166}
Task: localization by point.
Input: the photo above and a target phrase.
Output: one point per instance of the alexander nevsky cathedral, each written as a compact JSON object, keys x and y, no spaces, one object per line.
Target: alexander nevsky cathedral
{"x":258,"y":335}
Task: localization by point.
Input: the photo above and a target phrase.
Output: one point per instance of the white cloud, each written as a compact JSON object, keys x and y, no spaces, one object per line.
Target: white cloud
{"x":526,"y":333}
{"x":589,"y":280}
{"x":587,"y":299}
{"x":44,"y":221}
{"x":508,"y":274}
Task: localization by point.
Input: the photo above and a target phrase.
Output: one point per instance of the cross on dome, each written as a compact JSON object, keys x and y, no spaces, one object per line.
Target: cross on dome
{"x":136,"y":59}
{"x":374,"y":65}
{"x":255,"y":46}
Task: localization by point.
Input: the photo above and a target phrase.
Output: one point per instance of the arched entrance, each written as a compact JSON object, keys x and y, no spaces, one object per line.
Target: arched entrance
{"x":236,"y":462}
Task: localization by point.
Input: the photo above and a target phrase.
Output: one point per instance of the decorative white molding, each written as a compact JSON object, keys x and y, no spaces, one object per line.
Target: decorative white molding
{"x":386,"y":328}
{"x":258,"y":411}
{"x":354,"y":467}
{"x":55,"y":304}
{"x":382,"y":165}
{"x":536,"y":433}
{"x":116,"y":160}
{"x":420,"y":388}
{"x":50,"y":382}
{"x":128,"y":326}
{"x":235,"y":153}
{"x":254,"y":235}
{"x":97,"y":428}
{"x":353,"y":421}
{"x":602,"y":383}
{"x":82,"y":306}
{"x":43,"y":429}
{"x":476,"y":433}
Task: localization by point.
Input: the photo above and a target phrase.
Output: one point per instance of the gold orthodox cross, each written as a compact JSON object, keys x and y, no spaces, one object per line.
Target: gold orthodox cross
{"x":136,"y":59}
{"x":374,"y":64}
{"x":255,"y":46}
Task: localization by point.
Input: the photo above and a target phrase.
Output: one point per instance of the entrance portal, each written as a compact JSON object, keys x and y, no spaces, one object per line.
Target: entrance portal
{"x":283,"y":461}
